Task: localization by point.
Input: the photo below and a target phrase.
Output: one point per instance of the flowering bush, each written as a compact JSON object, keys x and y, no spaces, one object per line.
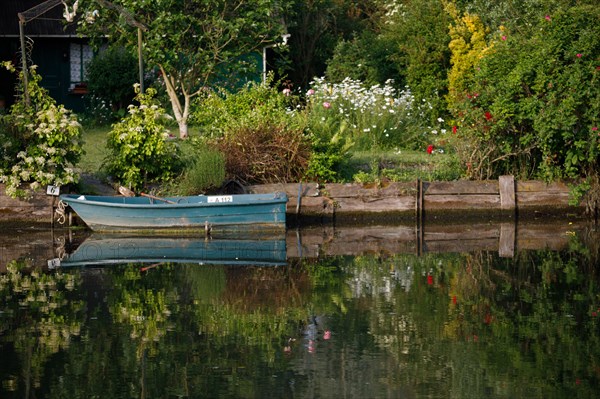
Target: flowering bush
{"x":370,"y":117}
{"x":41,"y":141}
{"x":532,"y":102}
{"x":139,"y":148}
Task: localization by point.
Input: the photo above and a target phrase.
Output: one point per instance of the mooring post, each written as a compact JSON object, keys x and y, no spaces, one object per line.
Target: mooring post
{"x":506,"y":184}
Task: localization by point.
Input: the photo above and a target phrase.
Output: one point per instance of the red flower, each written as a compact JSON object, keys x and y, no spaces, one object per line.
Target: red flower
{"x":488,"y":115}
{"x":503,"y":37}
{"x":429,"y":279}
{"x":454,"y":301}
{"x":454,"y":129}
{"x":430,"y":148}
{"x":579,"y":55}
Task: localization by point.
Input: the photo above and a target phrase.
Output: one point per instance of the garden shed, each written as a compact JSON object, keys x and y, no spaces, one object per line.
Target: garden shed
{"x":52,"y":44}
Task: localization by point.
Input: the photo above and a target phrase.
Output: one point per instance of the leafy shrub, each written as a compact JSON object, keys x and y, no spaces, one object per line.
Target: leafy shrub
{"x":41,"y":140}
{"x":140,"y":151}
{"x":217,"y":113}
{"x":261,"y":138}
{"x":531,"y":104}
{"x":111,"y":75}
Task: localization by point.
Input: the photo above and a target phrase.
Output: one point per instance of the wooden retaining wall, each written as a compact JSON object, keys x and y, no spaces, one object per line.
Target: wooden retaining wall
{"x":38,"y":208}
{"x":352,"y":202}
{"x":503,"y":197}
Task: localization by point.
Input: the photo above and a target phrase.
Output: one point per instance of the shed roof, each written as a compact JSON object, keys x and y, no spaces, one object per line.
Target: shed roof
{"x":49,"y":24}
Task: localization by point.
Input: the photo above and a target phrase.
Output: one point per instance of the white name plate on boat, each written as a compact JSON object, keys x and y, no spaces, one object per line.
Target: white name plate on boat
{"x":220,"y":198}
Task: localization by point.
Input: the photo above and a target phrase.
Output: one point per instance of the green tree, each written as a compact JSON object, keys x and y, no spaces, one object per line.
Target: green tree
{"x":111,"y":75}
{"x":190,"y":42}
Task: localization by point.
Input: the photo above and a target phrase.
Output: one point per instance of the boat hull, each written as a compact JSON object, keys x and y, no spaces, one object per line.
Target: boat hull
{"x":102,"y":213}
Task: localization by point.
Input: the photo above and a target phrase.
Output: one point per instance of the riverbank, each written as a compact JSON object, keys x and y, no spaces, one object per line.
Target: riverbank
{"x":355,"y":203}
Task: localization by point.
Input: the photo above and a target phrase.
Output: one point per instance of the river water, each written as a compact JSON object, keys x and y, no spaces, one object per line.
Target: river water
{"x":439,"y":311}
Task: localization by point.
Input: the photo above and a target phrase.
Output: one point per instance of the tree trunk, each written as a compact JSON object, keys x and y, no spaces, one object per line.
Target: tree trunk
{"x":183,"y":129}
{"x":181,"y":113}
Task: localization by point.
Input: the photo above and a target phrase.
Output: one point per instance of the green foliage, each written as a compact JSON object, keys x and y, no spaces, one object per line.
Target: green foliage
{"x":317,"y":27}
{"x":219,"y":112}
{"x":205,"y":170}
{"x":110,"y":77}
{"x":140,"y":150}
{"x":40,"y":141}
{"x":191,"y":42}
{"x":416,"y":38}
{"x":532,"y":103}
{"x":261,"y":138}
{"x":364,"y":58}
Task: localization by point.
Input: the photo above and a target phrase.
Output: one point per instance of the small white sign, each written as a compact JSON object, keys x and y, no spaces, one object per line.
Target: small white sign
{"x":220,"y":198}
{"x":53,"y":263}
{"x":53,"y":190}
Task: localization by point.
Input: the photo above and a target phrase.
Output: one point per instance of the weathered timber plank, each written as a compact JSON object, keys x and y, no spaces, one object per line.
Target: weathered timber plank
{"x":375,"y":205}
{"x":506,"y":186}
{"x":460,"y":202}
{"x":355,"y":190}
{"x":37,"y":208}
{"x":543,"y":199}
{"x":290,"y":189}
{"x":460,"y":187}
{"x":534,"y":185}
{"x":311,"y":206}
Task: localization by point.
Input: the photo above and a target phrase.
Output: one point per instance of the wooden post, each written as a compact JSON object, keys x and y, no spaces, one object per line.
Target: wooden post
{"x":507,"y":193}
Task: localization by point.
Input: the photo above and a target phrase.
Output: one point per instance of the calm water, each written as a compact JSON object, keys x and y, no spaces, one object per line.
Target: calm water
{"x":350,"y":313}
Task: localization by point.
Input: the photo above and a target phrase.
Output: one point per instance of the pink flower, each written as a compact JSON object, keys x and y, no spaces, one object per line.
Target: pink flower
{"x":326,"y":334}
{"x":287,"y":92}
{"x":594,"y":128}
{"x":503,"y":37}
{"x":326,"y":105}
{"x":579,"y":55}
{"x":310,"y":92}
{"x":548,"y":18}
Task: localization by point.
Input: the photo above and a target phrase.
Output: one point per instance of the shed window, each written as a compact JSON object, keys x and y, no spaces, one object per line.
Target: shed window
{"x":80,"y":55}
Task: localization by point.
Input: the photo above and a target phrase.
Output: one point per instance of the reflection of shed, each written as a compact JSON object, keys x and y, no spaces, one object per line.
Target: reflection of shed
{"x":52,"y":45}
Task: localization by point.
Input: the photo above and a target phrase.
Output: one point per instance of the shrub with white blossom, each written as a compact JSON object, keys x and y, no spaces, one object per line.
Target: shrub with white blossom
{"x":41,"y":141}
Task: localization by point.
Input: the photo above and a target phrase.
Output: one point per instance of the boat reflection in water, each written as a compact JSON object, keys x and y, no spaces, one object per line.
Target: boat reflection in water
{"x":99,"y":250}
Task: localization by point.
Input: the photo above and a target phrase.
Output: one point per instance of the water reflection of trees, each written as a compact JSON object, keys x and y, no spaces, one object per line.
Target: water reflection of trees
{"x":40,"y":316}
{"x":526,"y":326}
{"x":465,"y":325}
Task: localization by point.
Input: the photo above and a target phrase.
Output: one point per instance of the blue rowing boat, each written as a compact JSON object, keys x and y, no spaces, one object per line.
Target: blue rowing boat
{"x":147,"y":213}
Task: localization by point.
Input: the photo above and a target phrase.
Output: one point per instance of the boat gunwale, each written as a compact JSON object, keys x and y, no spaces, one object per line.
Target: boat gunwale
{"x":71,"y":198}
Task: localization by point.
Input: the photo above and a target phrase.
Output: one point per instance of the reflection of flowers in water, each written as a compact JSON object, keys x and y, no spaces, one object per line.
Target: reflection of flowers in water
{"x":315,"y":331}
{"x":371,"y":282}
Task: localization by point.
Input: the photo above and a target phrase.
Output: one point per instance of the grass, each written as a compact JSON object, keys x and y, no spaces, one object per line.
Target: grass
{"x":95,"y":149}
{"x":402,"y":165}
{"x":363,"y":166}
